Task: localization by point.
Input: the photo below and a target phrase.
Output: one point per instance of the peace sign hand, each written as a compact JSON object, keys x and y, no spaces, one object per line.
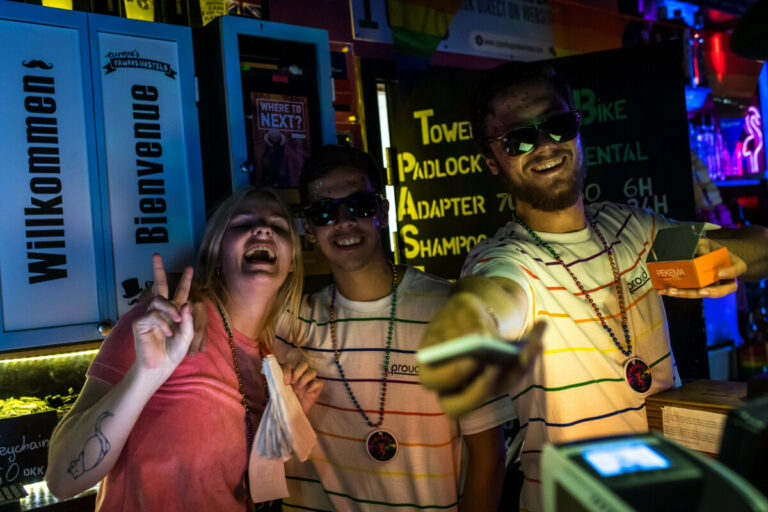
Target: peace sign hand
{"x":162,"y":336}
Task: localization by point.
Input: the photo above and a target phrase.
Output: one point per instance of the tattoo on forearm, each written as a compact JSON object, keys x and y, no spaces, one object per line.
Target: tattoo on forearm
{"x":94,"y":450}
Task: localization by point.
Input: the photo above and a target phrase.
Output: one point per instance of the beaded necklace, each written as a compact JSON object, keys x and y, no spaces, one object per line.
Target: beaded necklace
{"x":637,"y":373}
{"x":381,"y":445}
{"x":242,"y":492}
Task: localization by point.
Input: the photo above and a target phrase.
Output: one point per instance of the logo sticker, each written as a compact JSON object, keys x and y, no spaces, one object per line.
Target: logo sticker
{"x":638,"y":279}
{"x":132,"y":59}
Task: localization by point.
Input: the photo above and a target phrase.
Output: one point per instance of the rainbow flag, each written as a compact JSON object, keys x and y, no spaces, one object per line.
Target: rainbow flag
{"x":418,"y":26}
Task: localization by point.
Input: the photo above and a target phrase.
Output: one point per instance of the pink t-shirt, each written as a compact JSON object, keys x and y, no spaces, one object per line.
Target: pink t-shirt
{"x":187,"y":450}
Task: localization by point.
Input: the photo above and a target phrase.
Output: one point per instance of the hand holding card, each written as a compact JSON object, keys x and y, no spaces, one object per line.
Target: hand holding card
{"x":473,"y":345}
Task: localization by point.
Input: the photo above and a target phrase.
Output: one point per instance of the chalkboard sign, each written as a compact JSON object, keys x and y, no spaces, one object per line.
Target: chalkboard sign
{"x":634,"y":135}
{"x":24,"y":447}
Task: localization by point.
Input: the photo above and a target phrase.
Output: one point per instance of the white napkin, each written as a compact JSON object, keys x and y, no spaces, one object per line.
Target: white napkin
{"x":284,"y":432}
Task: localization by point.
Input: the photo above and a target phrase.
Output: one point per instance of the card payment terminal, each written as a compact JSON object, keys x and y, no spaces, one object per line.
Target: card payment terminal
{"x":640,"y":473}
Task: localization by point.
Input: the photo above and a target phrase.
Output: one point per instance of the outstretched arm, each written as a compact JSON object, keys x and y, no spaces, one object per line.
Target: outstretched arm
{"x":88,"y":441}
{"x":491,"y":306}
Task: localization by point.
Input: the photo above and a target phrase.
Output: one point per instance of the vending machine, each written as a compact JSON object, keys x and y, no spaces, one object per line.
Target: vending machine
{"x":265,"y":102}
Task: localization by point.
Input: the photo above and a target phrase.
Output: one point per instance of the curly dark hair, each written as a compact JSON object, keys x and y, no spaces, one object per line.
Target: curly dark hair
{"x":331,"y":157}
{"x":505,"y":77}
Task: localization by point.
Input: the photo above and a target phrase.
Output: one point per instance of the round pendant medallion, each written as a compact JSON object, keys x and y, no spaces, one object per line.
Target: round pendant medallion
{"x":381,"y":445}
{"x":638,"y":375}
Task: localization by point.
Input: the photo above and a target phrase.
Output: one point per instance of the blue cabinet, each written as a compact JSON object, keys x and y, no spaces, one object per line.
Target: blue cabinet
{"x":101,"y":168}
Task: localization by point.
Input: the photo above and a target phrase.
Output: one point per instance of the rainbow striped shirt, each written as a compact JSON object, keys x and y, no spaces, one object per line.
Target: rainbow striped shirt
{"x":340,"y":475}
{"x":577,"y":389}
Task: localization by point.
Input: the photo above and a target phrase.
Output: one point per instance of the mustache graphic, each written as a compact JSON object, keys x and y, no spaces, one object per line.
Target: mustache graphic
{"x":34,"y":63}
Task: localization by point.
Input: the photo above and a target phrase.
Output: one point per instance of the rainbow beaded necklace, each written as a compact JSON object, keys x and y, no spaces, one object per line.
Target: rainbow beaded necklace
{"x":381,"y":445}
{"x":616,"y":281}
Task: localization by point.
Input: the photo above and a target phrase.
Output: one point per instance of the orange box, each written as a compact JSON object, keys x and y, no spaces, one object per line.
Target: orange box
{"x":671,"y":262}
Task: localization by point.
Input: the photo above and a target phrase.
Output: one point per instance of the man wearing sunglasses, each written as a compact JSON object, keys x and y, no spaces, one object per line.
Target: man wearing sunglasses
{"x":569,"y":265}
{"x":383,"y":441}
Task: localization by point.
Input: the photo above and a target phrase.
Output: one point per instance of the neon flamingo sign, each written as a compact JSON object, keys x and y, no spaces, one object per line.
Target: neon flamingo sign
{"x":753,"y":142}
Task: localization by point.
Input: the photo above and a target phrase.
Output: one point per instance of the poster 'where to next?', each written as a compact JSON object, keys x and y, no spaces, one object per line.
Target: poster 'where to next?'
{"x":281,"y":139}
{"x":634,"y":140}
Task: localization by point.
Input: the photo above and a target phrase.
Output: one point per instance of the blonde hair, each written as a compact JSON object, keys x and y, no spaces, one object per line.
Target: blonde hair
{"x":208,"y":272}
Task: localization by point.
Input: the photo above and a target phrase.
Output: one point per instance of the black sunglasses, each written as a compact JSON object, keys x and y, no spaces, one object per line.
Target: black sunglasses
{"x":559,"y":128}
{"x":360,"y":204}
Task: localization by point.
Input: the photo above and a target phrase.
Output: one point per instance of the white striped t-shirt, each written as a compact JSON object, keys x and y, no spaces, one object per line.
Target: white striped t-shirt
{"x":340,"y":475}
{"x":577,"y":389}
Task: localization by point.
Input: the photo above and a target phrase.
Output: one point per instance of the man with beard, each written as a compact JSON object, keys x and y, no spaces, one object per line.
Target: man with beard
{"x":568,"y":264}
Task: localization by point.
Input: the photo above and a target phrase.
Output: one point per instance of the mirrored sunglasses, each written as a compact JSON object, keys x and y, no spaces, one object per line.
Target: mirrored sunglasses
{"x":360,"y":204}
{"x":560,"y":128}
